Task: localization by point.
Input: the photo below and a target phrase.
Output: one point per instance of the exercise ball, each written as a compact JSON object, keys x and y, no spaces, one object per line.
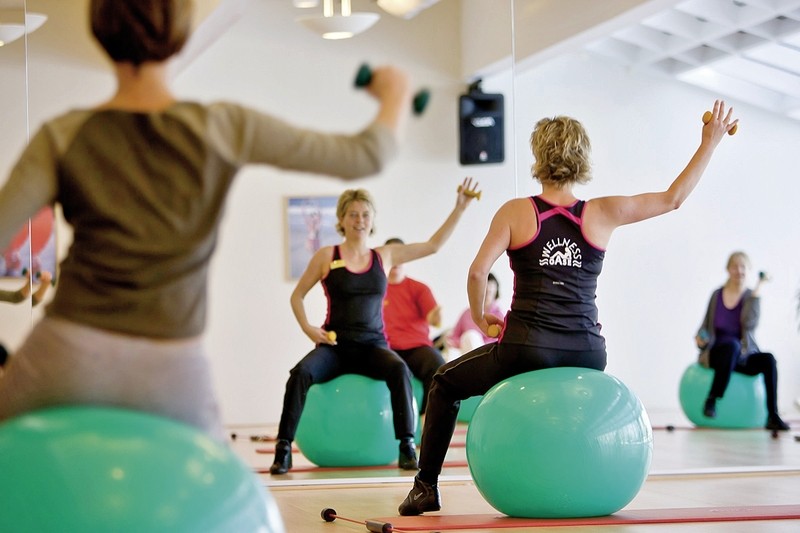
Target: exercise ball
{"x":419,"y":392}
{"x":559,"y":443}
{"x":348,"y":421}
{"x":467,"y":409}
{"x":93,"y":469}
{"x":743,"y":405}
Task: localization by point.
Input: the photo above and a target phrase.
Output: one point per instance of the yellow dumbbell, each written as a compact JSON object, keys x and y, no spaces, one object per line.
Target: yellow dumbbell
{"x":470,"y":193}
{"x":707,"y":118}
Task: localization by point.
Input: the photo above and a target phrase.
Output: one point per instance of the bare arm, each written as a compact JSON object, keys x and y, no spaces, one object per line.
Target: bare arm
{"x":497,"y":241}
{"x":44,"y":284}
{"x":395,"y":254}
{"x":606,"y":214}
{"x":315,"y":271}
{"x":434,"y":317}
{"x":391,"y":87}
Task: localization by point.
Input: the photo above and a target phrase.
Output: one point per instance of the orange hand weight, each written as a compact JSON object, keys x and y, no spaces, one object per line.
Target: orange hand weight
{"x":707,"y":118}
{"x":470,"y":193}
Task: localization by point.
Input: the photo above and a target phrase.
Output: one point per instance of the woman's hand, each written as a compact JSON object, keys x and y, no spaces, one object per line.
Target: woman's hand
{"x":466,"y":192}
{"x":320,"y":336}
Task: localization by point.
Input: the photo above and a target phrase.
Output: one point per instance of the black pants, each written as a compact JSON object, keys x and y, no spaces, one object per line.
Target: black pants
{"x":724,"y":359}
{"x":326,"y":362}
{"x":423,"y":361}
{"x":473,"y":374}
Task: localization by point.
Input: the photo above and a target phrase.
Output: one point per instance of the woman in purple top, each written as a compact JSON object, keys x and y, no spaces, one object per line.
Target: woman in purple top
{"x":727,"y":342}
{"x":556,"y":245}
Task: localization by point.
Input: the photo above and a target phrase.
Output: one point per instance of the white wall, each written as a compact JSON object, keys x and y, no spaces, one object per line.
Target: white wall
{"x":658,"y":275}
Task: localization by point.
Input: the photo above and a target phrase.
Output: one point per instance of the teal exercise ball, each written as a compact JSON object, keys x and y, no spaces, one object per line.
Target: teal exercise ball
{"x":93,"y":469}
{"x":419,"y":390}
{"x":743,"y":405}
{"x":467,"y":409}
{"x":559,"y":443}
{"x":348,"y":421}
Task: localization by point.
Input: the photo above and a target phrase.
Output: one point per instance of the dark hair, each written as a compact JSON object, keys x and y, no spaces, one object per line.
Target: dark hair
{"x":491,"y":277}
{"x":138,"y":31}
{"x":3,"y":355}
{"x":394,"y":240}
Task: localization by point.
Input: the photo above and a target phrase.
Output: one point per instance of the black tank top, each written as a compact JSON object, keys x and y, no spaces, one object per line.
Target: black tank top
{"x":355,"y":301}
{"x":555,"y":282}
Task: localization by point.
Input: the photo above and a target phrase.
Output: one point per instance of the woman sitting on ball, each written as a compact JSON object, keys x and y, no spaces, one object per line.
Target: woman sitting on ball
{"x":556,"y":245}
{"x":727,"y":342}
{"x":354,"y":277}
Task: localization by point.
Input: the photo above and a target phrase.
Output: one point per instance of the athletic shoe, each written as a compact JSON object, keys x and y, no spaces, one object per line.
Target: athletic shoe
{"x":710,"y":408}
{"x":423,"y":497}
{"x":775,"y":423}
{"x":283,"y":458}
{"x":408,"y":455}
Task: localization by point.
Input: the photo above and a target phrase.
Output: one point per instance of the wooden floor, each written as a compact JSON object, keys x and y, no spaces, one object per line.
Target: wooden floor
{"x":691,"y":468}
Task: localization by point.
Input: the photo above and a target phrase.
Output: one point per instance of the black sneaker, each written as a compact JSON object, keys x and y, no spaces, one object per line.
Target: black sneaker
{"x":775,"y":423}
{"x":408,"y":456}
{"x":423,"y":498}
{"x":283,"y":458}
{"x":710,"y":408}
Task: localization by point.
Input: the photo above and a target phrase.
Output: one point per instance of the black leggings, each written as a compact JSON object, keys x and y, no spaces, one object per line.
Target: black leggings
{"x":423,"y":361}
{"x":473,"y":374}
{"x":724,"y":360}
{"x":326,"y":362}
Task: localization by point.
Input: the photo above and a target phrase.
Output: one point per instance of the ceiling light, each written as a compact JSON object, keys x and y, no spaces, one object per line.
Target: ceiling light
{"x":405,"y":8}
{"x":305,"y":3}
{"x":346,"y":24}
{"x":12,"y":32}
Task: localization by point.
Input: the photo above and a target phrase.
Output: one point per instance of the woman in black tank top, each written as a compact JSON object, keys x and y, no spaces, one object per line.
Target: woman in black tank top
{"x":556,"y":245}
{"x":354,"y":277}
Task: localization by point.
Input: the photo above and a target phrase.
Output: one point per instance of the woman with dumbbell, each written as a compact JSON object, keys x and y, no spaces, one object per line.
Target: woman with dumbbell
{"x":727,"y":343}
{"x":556,"y":245}
{"x":142,"y":178}
{"x":355,"y":278}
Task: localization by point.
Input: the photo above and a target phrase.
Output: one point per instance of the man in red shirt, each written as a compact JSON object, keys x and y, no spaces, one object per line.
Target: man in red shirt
{"x":409,"y":309}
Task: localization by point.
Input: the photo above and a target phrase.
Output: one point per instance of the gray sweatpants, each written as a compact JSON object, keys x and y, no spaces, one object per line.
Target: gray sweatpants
{"x":65,"y":363}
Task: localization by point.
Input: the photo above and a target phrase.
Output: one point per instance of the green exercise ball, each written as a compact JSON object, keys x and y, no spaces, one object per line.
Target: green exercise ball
{"x":348,"y":421}
{"x":467,"y":409}
{"x":559,"y":443}
{"x":93,"y":469}
{"x":743,"y":405}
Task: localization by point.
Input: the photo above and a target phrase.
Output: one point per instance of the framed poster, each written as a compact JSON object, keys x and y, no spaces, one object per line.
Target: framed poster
{"x":310,"y":225}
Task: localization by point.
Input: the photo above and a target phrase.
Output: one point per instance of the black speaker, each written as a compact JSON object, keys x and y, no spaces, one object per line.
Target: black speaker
{"x":481,"y":128}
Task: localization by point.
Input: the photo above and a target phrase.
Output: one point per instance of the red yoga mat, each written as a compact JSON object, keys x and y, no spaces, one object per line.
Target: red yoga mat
{"x":640,"y":516}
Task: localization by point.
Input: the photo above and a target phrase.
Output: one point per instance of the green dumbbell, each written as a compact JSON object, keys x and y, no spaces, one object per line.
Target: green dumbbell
{"x":418,"y":104}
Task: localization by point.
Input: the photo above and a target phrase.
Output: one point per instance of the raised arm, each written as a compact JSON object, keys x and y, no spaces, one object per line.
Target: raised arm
{"x":314,"y":272}
{"x":604,"y":215}
{"x":395,"y":254}
{"x":390,"y":86}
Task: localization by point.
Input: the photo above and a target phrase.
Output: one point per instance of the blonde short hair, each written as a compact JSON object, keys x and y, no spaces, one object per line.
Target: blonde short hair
{"x":348,"y":197}
{"x":561,"y":150}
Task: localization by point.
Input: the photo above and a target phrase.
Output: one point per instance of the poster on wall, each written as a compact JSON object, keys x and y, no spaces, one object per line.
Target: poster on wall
{"x":33,"y":248}
{"x":310,"y":225}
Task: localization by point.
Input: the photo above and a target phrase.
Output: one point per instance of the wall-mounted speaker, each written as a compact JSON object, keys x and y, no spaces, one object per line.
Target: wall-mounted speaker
{"x":481,"y":128}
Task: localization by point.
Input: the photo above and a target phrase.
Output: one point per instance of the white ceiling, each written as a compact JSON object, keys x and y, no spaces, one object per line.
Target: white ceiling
{"x":745,"y":50}
{"x":748,"y":50}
